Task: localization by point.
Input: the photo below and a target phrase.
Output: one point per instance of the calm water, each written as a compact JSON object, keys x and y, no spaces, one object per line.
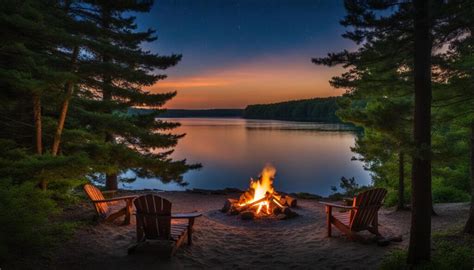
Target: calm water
{"x":233,"y":150}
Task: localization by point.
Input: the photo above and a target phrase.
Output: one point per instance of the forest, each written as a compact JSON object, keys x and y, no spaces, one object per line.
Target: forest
{"x":311,"y":110}
{"x":69,"y":72}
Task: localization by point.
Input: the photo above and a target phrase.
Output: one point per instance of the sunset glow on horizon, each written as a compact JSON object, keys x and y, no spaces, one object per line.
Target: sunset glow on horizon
{"x":265,"y":81}
{"x":237,"y":53}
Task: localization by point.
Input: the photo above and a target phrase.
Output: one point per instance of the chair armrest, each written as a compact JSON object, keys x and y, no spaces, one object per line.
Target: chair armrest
{"x":186,"y":215}
{"x":123,"y":198}
{"x":338,"y":205}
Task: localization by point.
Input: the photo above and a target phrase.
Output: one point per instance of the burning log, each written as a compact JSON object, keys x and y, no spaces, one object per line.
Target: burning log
{"x":247,"y":206}
{"x":261,"y":199}
{"x":245,"y":197}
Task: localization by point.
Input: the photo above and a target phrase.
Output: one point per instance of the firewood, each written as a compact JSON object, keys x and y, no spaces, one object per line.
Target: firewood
{"x":227,"y":205}
{"x":290,"y":201}
{"x":245,"y":207}
{"x":245,"y":197}
{"x":277,"y":196}
{"x":277,"y":201}
{"x":276,"y":211}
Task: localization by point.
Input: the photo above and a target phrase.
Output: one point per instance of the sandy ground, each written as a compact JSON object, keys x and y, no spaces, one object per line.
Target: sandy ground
{"x":226,"y":242}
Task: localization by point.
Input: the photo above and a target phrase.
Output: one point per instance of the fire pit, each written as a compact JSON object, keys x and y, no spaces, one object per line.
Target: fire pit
{"x":261,"y":200}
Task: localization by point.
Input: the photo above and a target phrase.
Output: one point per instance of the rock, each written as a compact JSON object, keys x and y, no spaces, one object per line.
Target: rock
{"x":247,"y":215}
{"x":281,"y":216}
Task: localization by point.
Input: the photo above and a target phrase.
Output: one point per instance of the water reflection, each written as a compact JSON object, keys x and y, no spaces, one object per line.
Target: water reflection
{"x":233,"y":150}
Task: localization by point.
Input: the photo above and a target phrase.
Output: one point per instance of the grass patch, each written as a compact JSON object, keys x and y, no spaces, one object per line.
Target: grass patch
{"x":30,"y":225}
{"x":452,"y":250}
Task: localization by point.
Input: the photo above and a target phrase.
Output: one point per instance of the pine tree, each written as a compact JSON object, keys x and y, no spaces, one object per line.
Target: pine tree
{"x":455,"y":99}
{"x":111,"y":80}
{"x":396,"y":42}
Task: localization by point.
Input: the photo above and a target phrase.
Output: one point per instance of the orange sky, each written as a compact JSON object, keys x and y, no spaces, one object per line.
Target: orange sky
{"x":264,"y":80}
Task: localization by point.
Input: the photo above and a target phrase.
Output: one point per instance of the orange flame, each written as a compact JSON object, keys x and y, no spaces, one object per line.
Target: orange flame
{"x":262,"y":187}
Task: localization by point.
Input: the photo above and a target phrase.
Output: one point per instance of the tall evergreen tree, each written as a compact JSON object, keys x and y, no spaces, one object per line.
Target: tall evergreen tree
{"x":386,"y":34}
{"x":112,"y":73}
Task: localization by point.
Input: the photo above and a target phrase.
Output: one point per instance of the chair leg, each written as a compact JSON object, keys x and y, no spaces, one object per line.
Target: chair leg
{"x":116,"y":215}
{"x":375,"y":226}
{"x":128,"y":212}
{"x":190,"y":231}
{"x":328,"y":219}
{"x":139,"y":230}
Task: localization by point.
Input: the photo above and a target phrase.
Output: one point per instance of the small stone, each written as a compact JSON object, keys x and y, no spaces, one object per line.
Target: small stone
{"x":281,"y":216}
{"x":247,"y":215}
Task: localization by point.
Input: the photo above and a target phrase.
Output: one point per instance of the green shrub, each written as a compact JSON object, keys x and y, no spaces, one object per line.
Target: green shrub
{"x":394,"y":261}
{"x":25,"y":222}
{"x":392,"y":197}
{"x":442,"y":194}
{"x":446,"y":255}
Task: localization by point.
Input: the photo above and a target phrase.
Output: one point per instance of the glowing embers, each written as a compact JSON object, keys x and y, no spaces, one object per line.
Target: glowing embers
{"x":261,"y":199}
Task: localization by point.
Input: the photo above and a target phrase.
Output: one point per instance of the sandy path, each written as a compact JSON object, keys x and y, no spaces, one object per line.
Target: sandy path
{"x":223,"y":242}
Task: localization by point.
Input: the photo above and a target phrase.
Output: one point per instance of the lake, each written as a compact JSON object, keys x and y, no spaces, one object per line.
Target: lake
{"x":308,"y":157}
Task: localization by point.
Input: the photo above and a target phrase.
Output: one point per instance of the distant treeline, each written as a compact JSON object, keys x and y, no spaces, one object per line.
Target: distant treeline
{"x":193,"y":113}
{"x":315,"y":110}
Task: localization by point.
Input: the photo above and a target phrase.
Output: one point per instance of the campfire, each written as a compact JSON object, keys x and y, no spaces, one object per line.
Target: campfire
{"x":261,"y":199}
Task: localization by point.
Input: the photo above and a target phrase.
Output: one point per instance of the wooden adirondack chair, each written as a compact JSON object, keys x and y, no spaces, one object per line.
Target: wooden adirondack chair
{"x":154,"y":222}
{"x":362,"y":215}
{"x":102,"y":205}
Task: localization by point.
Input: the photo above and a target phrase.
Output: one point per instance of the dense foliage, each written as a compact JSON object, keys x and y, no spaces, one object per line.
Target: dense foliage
{"x":314,"y":110}
{"x":413,"y":64}
{"x":69,"y":73}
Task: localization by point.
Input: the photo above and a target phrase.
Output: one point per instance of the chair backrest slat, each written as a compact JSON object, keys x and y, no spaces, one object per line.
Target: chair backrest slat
{"x":154,"y":215}
{"x":94,"y":194}
{"x":368,"y":204}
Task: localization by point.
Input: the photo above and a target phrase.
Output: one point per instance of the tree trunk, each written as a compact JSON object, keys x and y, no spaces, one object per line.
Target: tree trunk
{"x":37,"y":120}
{"x":111,"y":181}
{"x":420,"y":232}
{"x":64,"y":107}
{"x":43,"y":184}
{"x":401,"y":181}
{"x":469,"y":228}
